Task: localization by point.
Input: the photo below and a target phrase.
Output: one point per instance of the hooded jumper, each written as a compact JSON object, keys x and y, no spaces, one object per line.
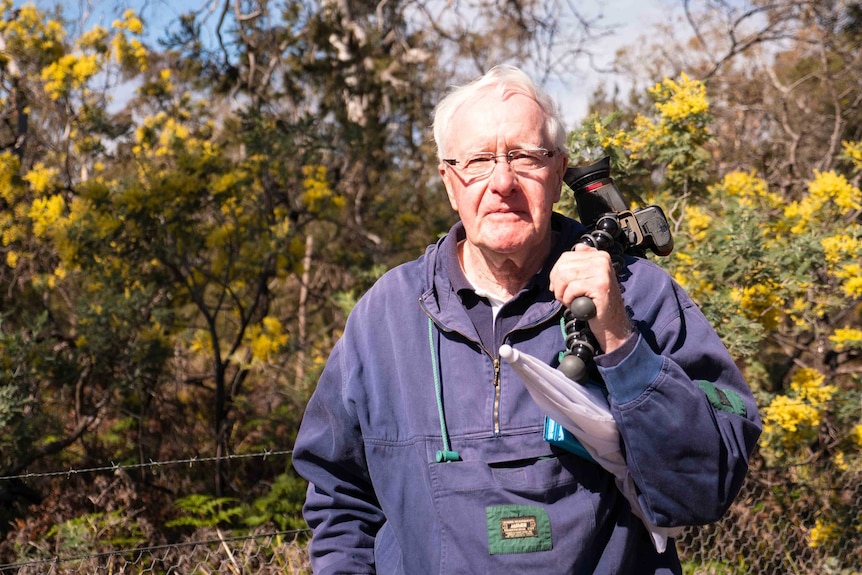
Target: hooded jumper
{"x":412,"y":376}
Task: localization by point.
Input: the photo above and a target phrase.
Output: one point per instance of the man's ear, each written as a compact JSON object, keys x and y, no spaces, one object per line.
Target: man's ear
{"x":447,"y":181}
{"x":560,"y":173}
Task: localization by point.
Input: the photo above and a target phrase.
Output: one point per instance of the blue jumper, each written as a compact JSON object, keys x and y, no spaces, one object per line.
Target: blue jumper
{"x":378,"y":500}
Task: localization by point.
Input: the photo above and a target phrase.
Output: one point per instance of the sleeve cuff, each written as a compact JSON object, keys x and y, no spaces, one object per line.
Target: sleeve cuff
{"x":630,"y":369}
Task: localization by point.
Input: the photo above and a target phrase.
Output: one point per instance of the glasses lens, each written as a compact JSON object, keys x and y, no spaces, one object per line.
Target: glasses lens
{"x":479,"y":164}
{"x":527,"y":160}
{"x":482,"y":163}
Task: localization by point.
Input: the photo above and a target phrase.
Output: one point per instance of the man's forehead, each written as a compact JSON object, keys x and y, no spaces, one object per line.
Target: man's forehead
{"x":495,"y":96}
{"x":513,"y":119}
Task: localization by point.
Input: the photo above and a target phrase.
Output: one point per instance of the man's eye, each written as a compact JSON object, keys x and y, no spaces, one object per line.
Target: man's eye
{"x":477,"y":161}
{"x":527,"y":160}
{"x":527,"y":155}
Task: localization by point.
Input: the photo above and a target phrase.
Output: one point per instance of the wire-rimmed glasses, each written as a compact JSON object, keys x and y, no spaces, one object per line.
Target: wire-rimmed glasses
{"x":481,"y":164}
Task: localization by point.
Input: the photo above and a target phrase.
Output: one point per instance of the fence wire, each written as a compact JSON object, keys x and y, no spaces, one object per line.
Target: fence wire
{"x":260,"y":554}
{"x":785,"y":521}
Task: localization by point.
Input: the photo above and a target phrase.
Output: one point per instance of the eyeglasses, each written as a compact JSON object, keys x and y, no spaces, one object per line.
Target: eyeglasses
{"x":482,"y":164}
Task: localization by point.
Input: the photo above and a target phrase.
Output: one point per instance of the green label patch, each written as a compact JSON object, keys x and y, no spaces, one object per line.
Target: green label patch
{"x":518,"y":529}
{"x":723,"y":399}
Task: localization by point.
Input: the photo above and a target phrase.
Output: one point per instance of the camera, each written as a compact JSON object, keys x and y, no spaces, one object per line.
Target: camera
{"x":612,"y":227}
{"x":597,"y":197}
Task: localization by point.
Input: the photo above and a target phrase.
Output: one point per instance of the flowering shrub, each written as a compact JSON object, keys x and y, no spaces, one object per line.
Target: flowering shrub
{"x":778,"y":272}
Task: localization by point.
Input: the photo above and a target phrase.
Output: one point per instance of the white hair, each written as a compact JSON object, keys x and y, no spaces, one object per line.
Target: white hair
{"x":507,"y":79}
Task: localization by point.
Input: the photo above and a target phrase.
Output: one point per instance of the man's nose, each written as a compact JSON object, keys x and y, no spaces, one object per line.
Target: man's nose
{"x":503,"y":177}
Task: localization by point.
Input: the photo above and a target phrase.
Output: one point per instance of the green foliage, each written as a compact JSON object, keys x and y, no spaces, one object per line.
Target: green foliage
{"x":669,"y":142}
{"x":13,"y":421}
{"x":776,"y":269}
{"x":713,"y":568}
{"x":206,"y":511}
{"x":25,"y":422}
{"x":281,"y":505}
{"x":175,"y":266}
{"x":94,"y":531}
{"x":165,"y":241}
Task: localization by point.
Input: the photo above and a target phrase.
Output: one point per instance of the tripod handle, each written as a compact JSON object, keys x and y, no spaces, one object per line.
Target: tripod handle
{"x":582,"y":308}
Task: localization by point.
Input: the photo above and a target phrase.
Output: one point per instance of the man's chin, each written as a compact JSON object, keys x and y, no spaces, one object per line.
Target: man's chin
{"x":508,"y":245}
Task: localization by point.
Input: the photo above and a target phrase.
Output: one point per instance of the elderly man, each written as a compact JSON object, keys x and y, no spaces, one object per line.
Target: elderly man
{"x":425,"y":454}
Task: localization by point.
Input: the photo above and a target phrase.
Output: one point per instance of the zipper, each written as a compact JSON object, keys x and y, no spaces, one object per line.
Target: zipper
{"x":497,"y":365}
{"x":495,"y":358}
{"x":496,"y":395}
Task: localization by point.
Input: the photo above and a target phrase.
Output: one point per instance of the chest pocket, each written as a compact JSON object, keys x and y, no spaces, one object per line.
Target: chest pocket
{"x":518,"y":515}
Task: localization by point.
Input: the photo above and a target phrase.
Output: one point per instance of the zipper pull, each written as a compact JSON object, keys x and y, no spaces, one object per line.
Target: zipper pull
{"x":496,"y":395}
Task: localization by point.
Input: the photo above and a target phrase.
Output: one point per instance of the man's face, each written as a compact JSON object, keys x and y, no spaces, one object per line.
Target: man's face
{"x":504,"y":212}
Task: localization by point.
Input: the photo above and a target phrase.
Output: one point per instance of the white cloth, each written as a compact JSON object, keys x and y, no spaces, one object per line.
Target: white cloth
{"x":584,"y":411}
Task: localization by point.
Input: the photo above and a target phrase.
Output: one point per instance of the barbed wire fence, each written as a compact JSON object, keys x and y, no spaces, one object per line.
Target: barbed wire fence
{"x":785,"y":521}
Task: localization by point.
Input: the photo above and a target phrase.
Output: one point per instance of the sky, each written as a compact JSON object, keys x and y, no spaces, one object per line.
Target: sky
{"x":627,"y":19}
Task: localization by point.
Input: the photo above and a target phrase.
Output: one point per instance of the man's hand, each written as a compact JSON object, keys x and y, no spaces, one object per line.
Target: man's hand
{"x":586,"y":271}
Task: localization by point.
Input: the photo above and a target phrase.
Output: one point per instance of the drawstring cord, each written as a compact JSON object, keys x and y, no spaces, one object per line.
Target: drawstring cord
{"x":446,"y":454}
